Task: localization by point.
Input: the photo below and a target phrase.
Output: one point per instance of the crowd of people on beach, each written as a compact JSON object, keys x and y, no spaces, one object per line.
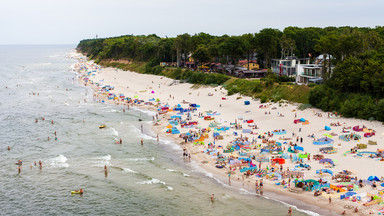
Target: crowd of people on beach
{"x":240,"y":156}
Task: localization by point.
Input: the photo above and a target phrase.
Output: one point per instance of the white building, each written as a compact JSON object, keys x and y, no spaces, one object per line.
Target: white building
{"x":287,"y":66}
{"x":310,"y":73}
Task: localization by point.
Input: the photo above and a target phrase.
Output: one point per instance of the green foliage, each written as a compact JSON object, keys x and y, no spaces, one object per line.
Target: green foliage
{"x":305,"y":106}
{"x":355,"y":87}
{"x":263,"y":99}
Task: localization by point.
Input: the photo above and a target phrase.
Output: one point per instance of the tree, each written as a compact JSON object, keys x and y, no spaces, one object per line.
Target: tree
{"x":287,"y":46}
{"x":249,"y":45}
{"x":328,"y":44}
{"x":268,"y":44}
{"x":234,"y":48}
{"x":201,"y":54}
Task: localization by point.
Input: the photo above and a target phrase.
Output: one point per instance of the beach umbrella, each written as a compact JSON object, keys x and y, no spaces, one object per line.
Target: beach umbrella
{"x":328,"y":135}
{"x":373,"y":178}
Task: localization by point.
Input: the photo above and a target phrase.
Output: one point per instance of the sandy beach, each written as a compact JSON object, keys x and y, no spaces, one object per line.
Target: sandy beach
{"x":255,"y":126}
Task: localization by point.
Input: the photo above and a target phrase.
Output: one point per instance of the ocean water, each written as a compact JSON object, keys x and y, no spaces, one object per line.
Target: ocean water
{"x":37,"y":82}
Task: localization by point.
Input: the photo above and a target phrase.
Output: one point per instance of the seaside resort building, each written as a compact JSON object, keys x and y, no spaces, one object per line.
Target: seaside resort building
{"x":304,"y":72}
{"x":287,"y":66}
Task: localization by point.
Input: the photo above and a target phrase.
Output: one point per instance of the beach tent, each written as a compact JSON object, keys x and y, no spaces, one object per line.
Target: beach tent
{"x":350,"y":193}
{"x":279,"y":160}
{"x":299,"y":148}
{"x":302,"y":120}
{"x":313,"y":181}
{"x":302,"y":166}
{"x":327,"y":128}
{"x":303,"y":156}
{"x":247,"y":102}
{"x":326,"y":160}
{"x":324,"y":171}
{"x":373,"y":178}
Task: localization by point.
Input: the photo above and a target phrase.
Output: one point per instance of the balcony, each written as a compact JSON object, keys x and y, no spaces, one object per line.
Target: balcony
{"x":311,"y":74}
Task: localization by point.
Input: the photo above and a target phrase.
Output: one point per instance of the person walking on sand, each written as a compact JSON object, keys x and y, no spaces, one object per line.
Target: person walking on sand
{"x":330,"y":200}
{"x":212,"y":197}
{"x":157,"y":137}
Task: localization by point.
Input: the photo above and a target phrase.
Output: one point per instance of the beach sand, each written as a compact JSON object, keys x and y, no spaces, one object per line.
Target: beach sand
{"x":210,"y":98}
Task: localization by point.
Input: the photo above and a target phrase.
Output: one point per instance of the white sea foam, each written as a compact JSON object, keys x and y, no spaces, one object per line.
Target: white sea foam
{"x":141,"y":159}
{"x":127,"y":170}
{"x":169,"y":188}
{"x":297,"y":209}
{"x":152,"y":181}
{"x":102,"y":161}
{"x":57,"y":162}
{"x":148,"y":112}
{"x":171,"y":170}
{"x":186,"y":175}
{"x":114,"y":131}
{"x":170,"y":143}
{"x":226,"y":196}
{"x":244,"y":191}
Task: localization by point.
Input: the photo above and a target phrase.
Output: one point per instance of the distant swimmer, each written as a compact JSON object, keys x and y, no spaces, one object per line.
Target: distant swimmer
{"x":19,"y":163}
{"x":142,"y":142}
{"x":212,"y":197}
{"x":54,"y":133}
{"x":52,"y":122}
{"x":49,"y":138}
{"x":105,"y":170}
{"x":40,"y":164}
{"x":42,"y":118}
{"x":9,"y":148}
{"x":121,"y":141}
{"x":19,"y":168}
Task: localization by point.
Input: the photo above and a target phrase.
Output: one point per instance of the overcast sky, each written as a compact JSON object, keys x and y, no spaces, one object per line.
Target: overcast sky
{"x":69,"y":21}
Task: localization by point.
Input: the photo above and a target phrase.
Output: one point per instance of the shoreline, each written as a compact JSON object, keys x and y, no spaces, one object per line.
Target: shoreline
{"x":320,"y":202}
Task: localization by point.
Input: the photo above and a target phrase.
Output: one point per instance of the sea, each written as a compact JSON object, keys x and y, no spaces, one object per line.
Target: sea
{"x":40,"y":95}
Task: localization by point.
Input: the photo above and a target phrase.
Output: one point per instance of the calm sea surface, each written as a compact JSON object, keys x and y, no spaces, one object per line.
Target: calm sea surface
{"x":142,"y":180}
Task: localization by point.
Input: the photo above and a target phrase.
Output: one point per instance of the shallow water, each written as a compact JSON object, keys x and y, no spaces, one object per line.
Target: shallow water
{"x":142,"y":180}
